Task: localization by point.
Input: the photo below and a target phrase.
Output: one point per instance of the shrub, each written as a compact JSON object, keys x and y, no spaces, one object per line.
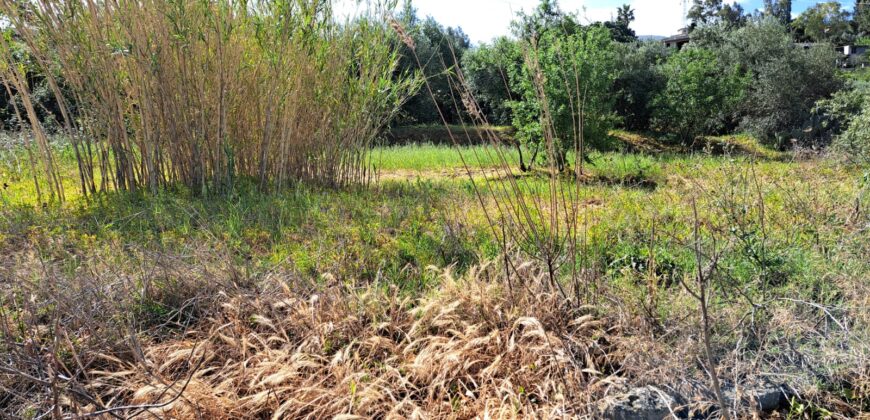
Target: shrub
{"x":855,"y":141}
{"x":567,"y":77}
{"x":832,"y":116}
{"x":700,"y":94}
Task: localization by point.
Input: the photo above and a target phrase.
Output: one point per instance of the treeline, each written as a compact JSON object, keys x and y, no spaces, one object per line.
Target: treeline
{"x":777,"y":78}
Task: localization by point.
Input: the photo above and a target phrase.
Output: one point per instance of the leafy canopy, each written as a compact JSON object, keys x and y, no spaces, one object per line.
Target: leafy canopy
{"x":565,"y":82}
{"x":700,"y":94}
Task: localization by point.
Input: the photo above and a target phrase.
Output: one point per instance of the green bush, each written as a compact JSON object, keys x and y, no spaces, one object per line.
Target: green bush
{"x":700,"y":94}
{"x":573,"y":71}
{"x":639,"y":81}
{"x":855,"y":141}
{"x":834,"y":115}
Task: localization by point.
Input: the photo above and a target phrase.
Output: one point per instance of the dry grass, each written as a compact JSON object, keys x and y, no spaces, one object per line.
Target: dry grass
{"x":471,"y":350}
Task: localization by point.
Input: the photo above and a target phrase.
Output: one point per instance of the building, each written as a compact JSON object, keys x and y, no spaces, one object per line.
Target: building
{"x":856,"y":56}
{"x":679,"y":40}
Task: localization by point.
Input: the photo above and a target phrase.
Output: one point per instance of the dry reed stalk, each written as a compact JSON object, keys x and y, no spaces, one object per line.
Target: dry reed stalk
{"x":204,"y":93}
{"x":14,"y":73}
{"x":547,"y":230}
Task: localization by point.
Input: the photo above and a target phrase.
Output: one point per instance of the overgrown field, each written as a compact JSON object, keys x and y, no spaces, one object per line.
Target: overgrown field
{"x":393,"y":299}
{"x":287,"y":209}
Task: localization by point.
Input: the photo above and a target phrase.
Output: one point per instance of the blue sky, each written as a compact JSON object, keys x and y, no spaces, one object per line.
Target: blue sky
{"x":483,"y":20}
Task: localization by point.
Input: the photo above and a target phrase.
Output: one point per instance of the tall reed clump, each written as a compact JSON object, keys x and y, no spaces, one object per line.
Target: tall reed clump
{"x":204,"y":92}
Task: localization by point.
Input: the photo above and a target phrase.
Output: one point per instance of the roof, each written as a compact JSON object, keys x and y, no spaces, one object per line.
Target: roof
{"x":677,"y":38}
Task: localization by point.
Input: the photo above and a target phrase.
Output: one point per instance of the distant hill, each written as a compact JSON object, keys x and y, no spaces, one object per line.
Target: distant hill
{"x":651,"y":37}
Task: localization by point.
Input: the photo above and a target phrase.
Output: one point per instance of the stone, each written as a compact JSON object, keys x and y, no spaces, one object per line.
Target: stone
{"x":646,"y":403}
{"x":764,"y":399}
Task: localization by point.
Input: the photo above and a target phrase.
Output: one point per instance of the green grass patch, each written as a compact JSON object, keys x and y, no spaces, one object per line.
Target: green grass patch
{"x":431,"y":157}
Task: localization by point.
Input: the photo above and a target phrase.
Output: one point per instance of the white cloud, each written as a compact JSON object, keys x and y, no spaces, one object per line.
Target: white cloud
{"x":484,"y":20}
{"x":657,"y":17}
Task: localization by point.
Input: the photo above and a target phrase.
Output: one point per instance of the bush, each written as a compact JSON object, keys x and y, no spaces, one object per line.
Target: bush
{"x":786,"y":80}
{"x":569,"y":73}
{"x":700,"y":95}
{"x":855,"y":141}
{"x":639,"y":82}
{"x":832,"y":116}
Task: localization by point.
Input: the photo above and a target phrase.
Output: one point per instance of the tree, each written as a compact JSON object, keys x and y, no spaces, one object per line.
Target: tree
{"x":639,"y":81}
{"x":824,"y":22}
{"x":733,"y":15}
{"x":621,"y":27}
{"x":546,"y":17}
{"x":440,"y":49}
{"x":624,"y":15}
{"x":862,"y":17}
{"x":779,"y":10}
{"x":487,"y":71}
{"x":567,"y":73}
{"x":714,"y":11}
{"x":786,"y":80}
{"x":700,"y":94}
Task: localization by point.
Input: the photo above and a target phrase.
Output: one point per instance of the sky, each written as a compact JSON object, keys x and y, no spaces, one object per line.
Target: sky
{"x":484,"y":20}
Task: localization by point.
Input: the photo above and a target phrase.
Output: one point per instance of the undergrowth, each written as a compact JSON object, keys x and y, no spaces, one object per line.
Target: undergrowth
{"x":319,"y":302}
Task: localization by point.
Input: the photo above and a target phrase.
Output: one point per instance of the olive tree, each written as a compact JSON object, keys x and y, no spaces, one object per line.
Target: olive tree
{"x":487,"y":70}
{"x":640,"y":80}
{"x":786,"y":80}
{"x":700,"y":94}
{"x":565,"y":85}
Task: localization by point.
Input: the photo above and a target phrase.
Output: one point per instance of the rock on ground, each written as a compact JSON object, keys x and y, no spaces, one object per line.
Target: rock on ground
{"x":646,"y":403}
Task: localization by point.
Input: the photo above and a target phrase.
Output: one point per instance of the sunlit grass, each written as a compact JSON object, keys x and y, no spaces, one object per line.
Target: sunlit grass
{"x":424,"y":157}
{"x":401,"y":223}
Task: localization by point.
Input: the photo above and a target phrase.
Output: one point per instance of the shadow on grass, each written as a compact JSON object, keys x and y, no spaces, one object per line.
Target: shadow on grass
{"x":358,"y":235}
{"x":654,"y":143}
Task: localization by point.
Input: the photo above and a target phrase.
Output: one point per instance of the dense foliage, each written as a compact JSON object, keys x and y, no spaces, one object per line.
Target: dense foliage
{"x":705,"y":12}
{"x":639,"y":81}
{"x":575,"y":74}
{"x":754,"y":74}
{"x":488,"y":70}
{"x":787,"y":80}
{"x":700,"y":95}
{"x":854,"y":143}
{"x":847,"y":114}
{"x":824,"y":22}
{"x":766,"y":74}
{"x":438,"y":49}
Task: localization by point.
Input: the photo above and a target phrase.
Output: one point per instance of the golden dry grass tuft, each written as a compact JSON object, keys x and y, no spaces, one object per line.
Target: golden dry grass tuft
{"x":474,"y":349}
